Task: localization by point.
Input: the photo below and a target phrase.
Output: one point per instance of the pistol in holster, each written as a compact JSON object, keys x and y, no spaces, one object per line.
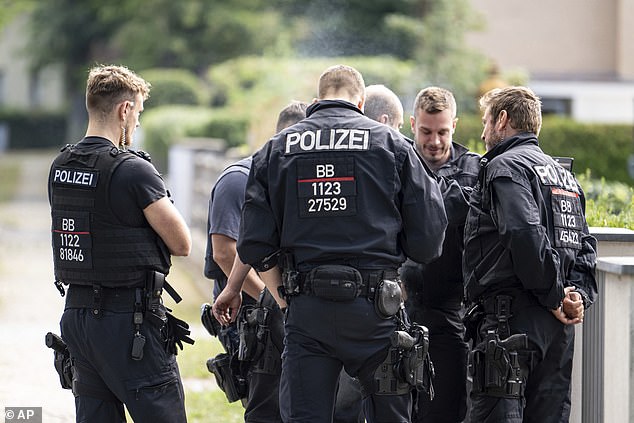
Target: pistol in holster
{"x":260,"y":330}
{"x":415,"y":366}
{"x":225,"y":367}
{"x":62,"y":360}
{"x":495,"y":366}
{"x":228,"y":376}
{"x":407,"y":364}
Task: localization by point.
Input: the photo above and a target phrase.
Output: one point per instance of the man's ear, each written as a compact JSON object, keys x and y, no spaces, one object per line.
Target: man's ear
{"x":503,"y":120}
{"x":361,"y":103}
{"x":122,"y":109}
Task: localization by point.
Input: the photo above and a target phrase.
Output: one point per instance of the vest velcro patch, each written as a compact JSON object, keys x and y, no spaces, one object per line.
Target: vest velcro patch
{"x":75,"y":177}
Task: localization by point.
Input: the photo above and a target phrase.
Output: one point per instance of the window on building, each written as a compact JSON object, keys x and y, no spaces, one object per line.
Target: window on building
{"x":556,"y":106}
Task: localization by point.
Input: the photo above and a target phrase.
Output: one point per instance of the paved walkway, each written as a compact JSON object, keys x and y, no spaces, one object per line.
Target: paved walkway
{"x":30,"y":305}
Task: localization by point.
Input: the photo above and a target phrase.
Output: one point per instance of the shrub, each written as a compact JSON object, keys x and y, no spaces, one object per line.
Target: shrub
{"x":608,"y":204}
{"x":602,"y":148}
{"x":175,"y":86}
{"x":260,"y":87}
{"x":166,"y":125}
{"x":34,"y":129}
{"x":162,"y":126}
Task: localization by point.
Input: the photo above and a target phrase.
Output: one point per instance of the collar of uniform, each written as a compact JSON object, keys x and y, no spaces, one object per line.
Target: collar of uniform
{"x":524,"y":138}
{"x":458,"y":150}
{"x":95,"y":141}
{"x":327,"y":104}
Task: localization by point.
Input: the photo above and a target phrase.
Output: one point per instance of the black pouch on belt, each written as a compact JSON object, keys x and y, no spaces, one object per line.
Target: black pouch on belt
{"x":335,"y":282}
{"x":388,"y":298}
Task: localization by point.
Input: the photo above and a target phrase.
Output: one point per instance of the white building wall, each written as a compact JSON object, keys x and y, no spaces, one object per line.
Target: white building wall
{"x":16,"y":90}
{"x":607,"y":102}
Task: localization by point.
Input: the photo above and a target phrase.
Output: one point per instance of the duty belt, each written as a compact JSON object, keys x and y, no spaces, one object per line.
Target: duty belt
{"x":369,"y":281}
{"x":99,"y":298}
{"x":519,"y":300}
{"x":504,"y":304}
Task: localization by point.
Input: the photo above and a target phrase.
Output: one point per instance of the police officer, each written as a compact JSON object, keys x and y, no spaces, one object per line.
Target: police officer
{"x":435,"y":290}
{"x":225,"y":205}
{"x":344,"y":200}
{"x":383,"y":105}
{"x":529,"y":268}
{"x":113,"y":230}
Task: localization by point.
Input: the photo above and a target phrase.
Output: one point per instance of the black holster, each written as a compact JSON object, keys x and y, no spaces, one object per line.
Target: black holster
{"x":223,"y":333}
{"x":228,"y":377}
{"x":291,"y":284}
{"x":62,"y":360}
{"x":407,"y":365}
{"x":415,"y":366}
{"x":387,"y":380}
{"x":495,"y":366}
{"x":261,"y":334}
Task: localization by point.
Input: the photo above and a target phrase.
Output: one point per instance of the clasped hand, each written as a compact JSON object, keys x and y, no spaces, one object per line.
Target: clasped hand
{"x":571,"y":310}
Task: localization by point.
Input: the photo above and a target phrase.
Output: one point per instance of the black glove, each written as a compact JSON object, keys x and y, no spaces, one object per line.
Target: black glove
{"x":177,"y":333}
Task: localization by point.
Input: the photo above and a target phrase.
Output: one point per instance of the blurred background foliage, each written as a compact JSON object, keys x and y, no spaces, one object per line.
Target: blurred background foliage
{"x":223,"y":69}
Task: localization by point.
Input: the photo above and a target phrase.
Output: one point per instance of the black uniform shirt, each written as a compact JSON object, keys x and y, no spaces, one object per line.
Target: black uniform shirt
{"x":135,"y":184}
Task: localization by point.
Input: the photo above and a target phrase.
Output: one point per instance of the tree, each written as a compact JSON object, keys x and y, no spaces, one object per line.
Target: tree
{"x":195,"y":34}
{"x":162,"y":33}
{"x":354,"y":27}
{"x":75,"y":34}
{"x":443,"y":56}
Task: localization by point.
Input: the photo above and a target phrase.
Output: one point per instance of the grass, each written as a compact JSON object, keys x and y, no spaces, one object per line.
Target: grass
{"x":9,"y":175}
{"x":207,"y":404}
{"x":212,"y":406}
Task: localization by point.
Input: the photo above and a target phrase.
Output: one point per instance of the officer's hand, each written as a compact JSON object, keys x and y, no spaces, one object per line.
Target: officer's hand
{"x":568,"y":312}
{"x":573,"y":304}
{"x":227,"y":306}
{"x":563,"y":318}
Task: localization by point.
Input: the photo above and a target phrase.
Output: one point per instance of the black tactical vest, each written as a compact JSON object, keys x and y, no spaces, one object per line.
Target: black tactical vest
{"x":90,"y":244}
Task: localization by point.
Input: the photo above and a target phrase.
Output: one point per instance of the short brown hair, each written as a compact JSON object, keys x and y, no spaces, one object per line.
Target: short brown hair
{"x":340,"y":78}
{"x":109,"y":85}
{"x":291,"y":114}
{"x":435,"y":100}
{"x":523,"y":107}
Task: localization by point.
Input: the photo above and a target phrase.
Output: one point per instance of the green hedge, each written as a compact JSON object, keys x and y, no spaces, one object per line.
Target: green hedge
{"x":601,"y":148}
{"x":608,"y":204}
{"x":175,"y":86}
{"x":28,"y":130}
{"x":166,"y":125}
